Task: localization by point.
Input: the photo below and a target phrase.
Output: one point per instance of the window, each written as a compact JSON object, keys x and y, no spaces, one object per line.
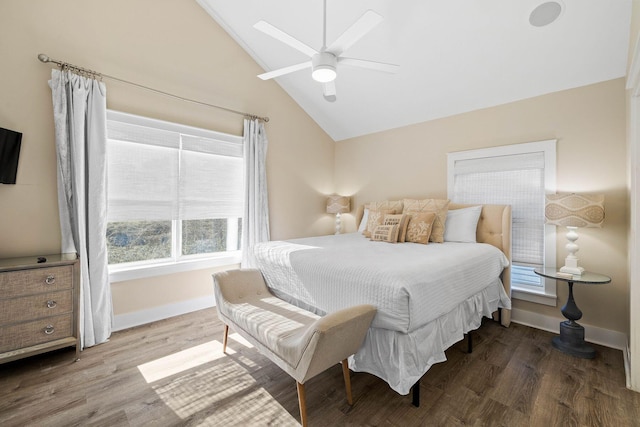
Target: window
{"x":518,"y":175}
{"x":175,"y":197}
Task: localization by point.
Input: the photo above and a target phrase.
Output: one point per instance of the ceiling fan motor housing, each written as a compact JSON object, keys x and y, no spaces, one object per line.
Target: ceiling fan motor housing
{"x":324,"y":67}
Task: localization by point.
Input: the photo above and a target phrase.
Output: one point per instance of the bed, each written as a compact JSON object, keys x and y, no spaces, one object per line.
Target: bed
{"x":427,"y":296}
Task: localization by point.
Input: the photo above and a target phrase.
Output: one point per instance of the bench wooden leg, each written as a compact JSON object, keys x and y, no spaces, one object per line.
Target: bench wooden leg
{"x":302,"y":404}
{"x":347,"y":380}
{"x":224,"y":338}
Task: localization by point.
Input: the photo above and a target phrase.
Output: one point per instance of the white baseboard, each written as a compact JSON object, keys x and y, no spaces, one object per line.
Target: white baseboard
{"x":137,"y":318}
{"x":593,"y":334}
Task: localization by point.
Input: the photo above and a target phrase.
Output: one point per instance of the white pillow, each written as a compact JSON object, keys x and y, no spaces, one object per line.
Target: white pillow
{"x":365,"y":219}
{"x":461,"y":224}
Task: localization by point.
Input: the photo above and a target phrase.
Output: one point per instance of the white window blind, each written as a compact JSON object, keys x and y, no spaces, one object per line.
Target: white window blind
{"x":142,"y":174}
{"x":161,"y":174}
{"x":516,"y":180}
{"x":518,"y":175}
{"x":211,"y":179}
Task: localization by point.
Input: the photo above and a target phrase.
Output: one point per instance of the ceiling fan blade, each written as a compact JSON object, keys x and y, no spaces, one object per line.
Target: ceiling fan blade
{"x":286,"y":70}
{"x":355,"y":32}
{"x":285,"y":38}
{"x":329,"y":91}
{"x":371,"y":65}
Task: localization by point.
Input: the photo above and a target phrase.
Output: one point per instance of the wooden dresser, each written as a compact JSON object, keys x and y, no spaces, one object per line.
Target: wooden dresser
{"x":38,"y":305}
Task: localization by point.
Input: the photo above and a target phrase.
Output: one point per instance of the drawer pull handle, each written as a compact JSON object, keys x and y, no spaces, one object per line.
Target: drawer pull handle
{"x":51,"y":304}
{"x":49,"y":329}
{"x":50,"y":280}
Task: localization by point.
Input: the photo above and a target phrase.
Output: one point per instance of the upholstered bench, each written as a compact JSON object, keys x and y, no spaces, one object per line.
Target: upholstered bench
{"x":298,"y":341}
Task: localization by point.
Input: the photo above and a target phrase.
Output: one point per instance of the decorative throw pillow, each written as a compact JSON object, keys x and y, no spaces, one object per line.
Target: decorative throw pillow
{"x":420,"y":227}
{"x":376,"y":216}
{"x":437,"y":206}
{"x":462,"y":225}
{"x":401,"y":220}
{"x":363,"y":221}
{"x":385,"y":233}
{"x":397,"y":205}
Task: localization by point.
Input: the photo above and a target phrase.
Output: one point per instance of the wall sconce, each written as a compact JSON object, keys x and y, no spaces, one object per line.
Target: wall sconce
{"x":338,"y":205}
{"x":572,"y":211}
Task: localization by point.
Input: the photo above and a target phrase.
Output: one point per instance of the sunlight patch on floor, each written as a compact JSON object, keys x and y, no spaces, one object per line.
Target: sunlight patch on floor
{"x":182,"y":361}
{"x":256,"y":408}
{"x":222,"y":394}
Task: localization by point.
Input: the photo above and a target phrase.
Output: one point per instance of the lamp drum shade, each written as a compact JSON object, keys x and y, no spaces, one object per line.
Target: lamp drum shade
{"x":338,"y":204}
{"x":574,"y":210}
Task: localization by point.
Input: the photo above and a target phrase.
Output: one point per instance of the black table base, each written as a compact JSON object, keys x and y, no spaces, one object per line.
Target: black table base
{"x":571,"y":341}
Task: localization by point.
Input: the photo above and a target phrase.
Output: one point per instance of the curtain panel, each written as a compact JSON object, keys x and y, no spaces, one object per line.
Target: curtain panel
{"x":80,"y":114}
{"x":255,"y":228}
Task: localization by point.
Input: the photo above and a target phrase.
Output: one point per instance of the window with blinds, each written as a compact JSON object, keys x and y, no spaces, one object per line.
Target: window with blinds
{"x":517,"y":175}
{"x":174,"y":191}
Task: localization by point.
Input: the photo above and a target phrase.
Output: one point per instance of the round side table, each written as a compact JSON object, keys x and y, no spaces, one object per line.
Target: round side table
{"x":571,"y":339}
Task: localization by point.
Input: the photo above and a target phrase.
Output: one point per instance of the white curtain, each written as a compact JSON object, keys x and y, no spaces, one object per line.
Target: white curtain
{"x":80,"y":115}
{"x":255,"y":228}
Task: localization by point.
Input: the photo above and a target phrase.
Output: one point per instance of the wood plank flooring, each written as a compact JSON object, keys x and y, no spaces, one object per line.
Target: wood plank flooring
{"x":173,"y":373}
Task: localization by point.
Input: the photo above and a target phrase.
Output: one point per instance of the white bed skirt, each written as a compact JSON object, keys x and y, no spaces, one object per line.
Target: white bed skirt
{"x":401,"y":359}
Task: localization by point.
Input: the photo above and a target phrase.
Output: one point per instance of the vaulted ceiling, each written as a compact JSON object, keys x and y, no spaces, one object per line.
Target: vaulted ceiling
{"x":454,"y":56}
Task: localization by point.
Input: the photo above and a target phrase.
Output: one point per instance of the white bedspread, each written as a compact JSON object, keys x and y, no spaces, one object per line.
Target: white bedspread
{"x":401,"y":359}
{"x":410,"y":284}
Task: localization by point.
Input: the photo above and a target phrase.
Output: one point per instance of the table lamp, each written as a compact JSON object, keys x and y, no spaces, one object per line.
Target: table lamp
{"x":573,"y":211}
{"x":338,"y":205}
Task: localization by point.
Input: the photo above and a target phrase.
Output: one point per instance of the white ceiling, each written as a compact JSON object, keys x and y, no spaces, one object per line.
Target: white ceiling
{"x":454,"y":56}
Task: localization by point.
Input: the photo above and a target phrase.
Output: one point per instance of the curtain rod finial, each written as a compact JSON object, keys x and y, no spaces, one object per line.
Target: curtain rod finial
{"x":43,"y":58}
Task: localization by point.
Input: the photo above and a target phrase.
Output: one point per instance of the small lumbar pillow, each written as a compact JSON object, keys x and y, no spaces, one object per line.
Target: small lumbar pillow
{"x":385,"y":233}
{"x":420,"y":227}
{"x":462,"y":224}
{"x":402,"y":221}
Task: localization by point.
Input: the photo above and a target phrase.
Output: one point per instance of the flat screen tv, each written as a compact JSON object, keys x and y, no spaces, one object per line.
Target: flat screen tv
{"x":9,"y":154}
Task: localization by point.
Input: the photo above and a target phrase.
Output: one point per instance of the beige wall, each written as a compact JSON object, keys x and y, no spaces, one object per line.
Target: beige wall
{"x":589,"y":124}
{"x":171,"y":45}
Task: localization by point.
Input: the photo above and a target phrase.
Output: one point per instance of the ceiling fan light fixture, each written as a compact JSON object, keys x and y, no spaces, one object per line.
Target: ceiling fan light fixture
{"x":324,"y":67}
{"x":324,"y":74}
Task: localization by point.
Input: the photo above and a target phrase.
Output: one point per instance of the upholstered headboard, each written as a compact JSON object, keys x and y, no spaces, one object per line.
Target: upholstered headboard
{"x":494,"y":228}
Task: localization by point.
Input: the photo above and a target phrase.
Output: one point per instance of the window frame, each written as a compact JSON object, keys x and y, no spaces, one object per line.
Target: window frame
{"x":177,"y":263}
{"x":547,"y":293}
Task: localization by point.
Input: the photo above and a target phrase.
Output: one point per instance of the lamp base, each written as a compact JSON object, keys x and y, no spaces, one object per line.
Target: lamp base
{"x":571,"y":261}
{"x":571,"y":265}
{"x":576,"y":271}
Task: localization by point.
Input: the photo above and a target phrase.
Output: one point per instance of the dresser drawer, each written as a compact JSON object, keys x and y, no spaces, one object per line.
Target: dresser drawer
{"x":35,"y":306}
{"x":37,"y":280}
{"x":35,"y":332}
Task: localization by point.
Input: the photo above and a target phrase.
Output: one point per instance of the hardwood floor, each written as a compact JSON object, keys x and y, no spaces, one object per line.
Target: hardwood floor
{"x":173,"y":373}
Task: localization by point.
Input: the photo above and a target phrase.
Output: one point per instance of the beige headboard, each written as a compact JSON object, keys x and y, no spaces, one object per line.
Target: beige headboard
{"x":494,"y":228}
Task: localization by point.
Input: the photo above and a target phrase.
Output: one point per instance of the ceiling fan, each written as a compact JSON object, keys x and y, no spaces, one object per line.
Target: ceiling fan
{"x":324,"y":63}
